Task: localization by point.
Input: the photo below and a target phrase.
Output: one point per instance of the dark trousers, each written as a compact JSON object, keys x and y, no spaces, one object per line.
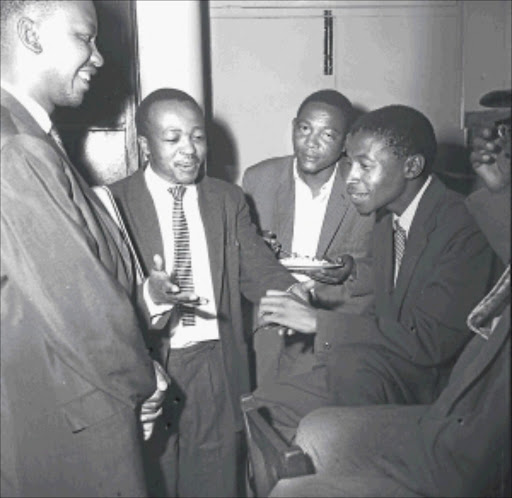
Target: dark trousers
{"x":195,"y":448}
{"x":356,"y":375}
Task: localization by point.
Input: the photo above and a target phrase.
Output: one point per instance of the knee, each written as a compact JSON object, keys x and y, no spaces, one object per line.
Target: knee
{"x":314,"y":428}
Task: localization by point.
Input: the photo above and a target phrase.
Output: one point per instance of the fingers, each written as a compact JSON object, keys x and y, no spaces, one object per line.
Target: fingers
{"x":148,"y":430}
{"x":284,"y":331}
{"x":162,"y":379}
{"x":150,"y":416}
{"x":158,"y":263}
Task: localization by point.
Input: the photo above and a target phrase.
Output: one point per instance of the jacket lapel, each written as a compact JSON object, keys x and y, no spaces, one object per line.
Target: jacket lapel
{"x":212,"y":209}
{"x":144,"y":219}
{"x":284,"y":208}
{"x":337,"y":207}
{"x":421,"y":228}
{"x":383,"y":253}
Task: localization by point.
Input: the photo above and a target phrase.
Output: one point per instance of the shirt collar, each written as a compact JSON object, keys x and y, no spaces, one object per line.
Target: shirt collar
{"x":34,"y":109}
{"x":325,"y":188}
{"x":405,"y":219}
{"x":156,"y":183}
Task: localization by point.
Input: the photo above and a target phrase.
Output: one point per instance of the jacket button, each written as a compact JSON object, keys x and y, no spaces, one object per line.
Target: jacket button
{"x":327,"y":345}
{"x":412,"y":328}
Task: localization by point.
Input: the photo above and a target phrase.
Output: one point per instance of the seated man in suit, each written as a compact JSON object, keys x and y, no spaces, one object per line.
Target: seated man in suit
{"x":460,"y":444}
{"x":431,"y":265}
{"x":201,"y":226}
{"x":302,"y":200}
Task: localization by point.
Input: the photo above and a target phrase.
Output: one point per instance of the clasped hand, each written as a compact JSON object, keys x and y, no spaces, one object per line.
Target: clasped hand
{"x":490,"y":156}
{"x":152,"y":408}
{"x":287,"y":310}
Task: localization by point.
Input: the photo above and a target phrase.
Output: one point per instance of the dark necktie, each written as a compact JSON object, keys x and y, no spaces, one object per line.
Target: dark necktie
{"x":182,"y":259}
{"x":399,"y":238}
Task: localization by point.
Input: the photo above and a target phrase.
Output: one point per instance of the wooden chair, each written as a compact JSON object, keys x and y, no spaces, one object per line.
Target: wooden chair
{"x":270,"y":457}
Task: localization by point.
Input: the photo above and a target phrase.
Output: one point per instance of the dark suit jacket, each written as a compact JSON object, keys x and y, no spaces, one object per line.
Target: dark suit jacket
{"x":444,"y":272}
{"x":239,"y":259}
{"x":270,"y":188}
{"x":457,"y":446}
{"x":74,"y":366}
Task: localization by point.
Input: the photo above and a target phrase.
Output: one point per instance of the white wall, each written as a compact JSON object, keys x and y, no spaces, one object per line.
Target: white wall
{"x":170,"y":46}
{"x":487,"y":49}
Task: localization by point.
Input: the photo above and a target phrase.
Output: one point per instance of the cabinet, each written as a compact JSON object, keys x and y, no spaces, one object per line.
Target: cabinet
{"x":267,"y":56}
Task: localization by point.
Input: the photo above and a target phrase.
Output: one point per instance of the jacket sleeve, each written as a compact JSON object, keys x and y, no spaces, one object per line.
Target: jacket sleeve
{"x":259,"y":268}
{"x":431,"y":327}
{"x":61,"y":266}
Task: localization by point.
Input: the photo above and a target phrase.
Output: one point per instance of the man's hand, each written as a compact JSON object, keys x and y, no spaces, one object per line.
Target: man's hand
{"x":152,"y":407}
{"x":490,"y":156}
{"x":271,"y":239}
{"x":333,"y":276}
{"x":287,"y":310}
{"x":163,"y":290}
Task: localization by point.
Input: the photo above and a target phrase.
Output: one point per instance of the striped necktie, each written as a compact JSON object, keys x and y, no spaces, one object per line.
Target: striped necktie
{"x":399,"y":238}
{"x":182,"y":259}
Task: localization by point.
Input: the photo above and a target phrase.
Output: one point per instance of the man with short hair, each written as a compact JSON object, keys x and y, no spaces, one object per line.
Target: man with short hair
{"x":460,"y":444}
{"x":431,"y":265}
{"x":302,"y":200}
{"x":201,"y":226}
{"x":76,"y":377}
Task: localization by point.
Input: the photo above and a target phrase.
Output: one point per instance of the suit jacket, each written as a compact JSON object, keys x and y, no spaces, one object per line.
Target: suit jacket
{"x":239,"y":259}
{"x":445,"y":270}
{"x":457,"y":446}
{"x":270,"y":188}
{"x":74,"y":366}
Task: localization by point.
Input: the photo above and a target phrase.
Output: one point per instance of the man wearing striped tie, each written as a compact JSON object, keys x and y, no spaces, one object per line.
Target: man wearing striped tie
{"x":432,"y":265}
{"x":201,"y":231}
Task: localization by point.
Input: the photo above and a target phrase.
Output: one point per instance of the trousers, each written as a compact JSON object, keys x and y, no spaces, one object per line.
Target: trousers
{"x":195,"y":449}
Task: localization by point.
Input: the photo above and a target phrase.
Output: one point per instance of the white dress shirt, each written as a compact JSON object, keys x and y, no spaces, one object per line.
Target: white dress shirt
{"x":309,"y":216}
{"x":309,"y":213}
{"x":206,"y":327}
{"x":406,"y":218}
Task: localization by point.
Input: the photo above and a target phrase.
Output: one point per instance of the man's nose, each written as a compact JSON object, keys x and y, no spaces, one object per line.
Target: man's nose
{"x":96,"y":57}
{"x":312,"y":140}
{"x":188,"y":147}
{"x":354,"y":173}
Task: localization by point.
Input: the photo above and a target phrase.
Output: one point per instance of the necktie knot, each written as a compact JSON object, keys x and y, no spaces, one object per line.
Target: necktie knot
{"x":398,"y":228}
{"x":178,"y":191}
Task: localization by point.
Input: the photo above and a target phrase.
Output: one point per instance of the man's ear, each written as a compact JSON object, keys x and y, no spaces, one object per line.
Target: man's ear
{"x":414,"y":166}
{"x":144,"y":147}
{"x":27,"y":33}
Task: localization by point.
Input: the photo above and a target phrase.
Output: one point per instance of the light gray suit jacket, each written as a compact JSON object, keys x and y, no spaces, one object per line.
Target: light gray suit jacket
{"x":270,"y":188}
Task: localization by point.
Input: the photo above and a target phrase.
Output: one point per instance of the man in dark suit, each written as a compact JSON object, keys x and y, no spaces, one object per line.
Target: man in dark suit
{"x":74,"y":366}
{"x":302,"y":199}
{"x":204,"y":347}
{"x":431,"y":262}
{"x":459,"y":445}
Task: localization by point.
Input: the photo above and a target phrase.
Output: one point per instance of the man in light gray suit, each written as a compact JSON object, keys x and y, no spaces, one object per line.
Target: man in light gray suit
{"x":302,"y":199}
